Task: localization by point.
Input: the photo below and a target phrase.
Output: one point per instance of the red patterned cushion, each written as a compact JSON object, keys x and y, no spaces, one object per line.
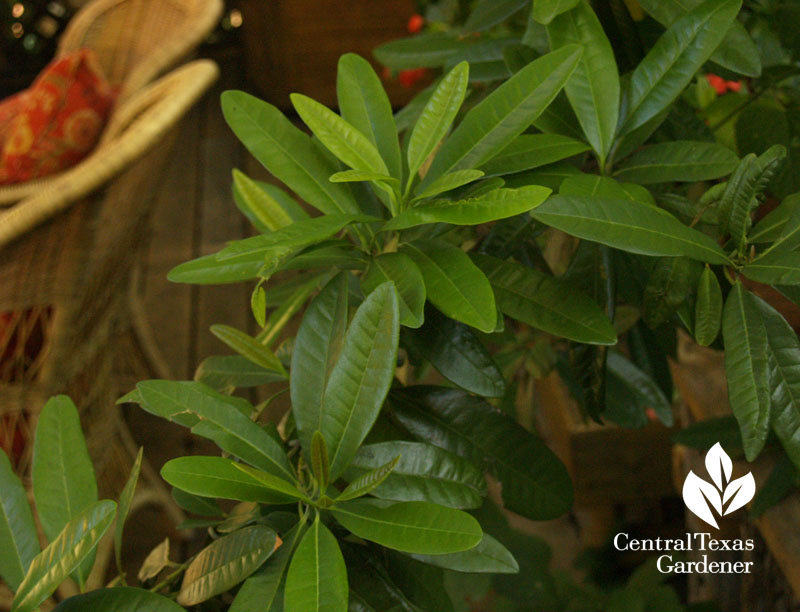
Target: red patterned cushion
{"x":57,"y":121}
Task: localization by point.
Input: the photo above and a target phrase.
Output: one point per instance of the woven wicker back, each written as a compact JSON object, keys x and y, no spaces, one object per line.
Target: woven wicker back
{"x":67,"y":256}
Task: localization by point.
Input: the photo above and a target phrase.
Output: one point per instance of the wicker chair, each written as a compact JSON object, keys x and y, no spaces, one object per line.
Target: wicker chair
{"x":136,"y":41}
{"x":68,"y":255}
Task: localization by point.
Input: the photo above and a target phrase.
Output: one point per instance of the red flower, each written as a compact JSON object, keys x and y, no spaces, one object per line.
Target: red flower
{"x":721,"y":86}
{"x":415,"y":23}
{"x":408,"y":78}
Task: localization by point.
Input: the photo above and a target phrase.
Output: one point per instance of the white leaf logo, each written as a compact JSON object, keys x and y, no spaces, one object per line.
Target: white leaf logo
{"x":701,"y":496}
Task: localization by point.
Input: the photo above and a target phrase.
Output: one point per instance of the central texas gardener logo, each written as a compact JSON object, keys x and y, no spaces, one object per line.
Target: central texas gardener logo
{"x":721,"y":496}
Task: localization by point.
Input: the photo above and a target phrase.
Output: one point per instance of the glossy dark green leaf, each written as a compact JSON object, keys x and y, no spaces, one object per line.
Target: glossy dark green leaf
{"x":365,"y":105}
{"x":604,"y":187}
{"x":776,"y":268}
{"x":488,"y":13}
{"x":489,"y":556}
{"x":545,"y":302}
{"x":782,"y":481}
{"x":286,"y":152}
{"x":118,"y":599}
{"x":455,"y":351}
{"x":593,"y":90}
{"x":629,"y":226}
{"x":221,"y":372}
{"x":361,"y":378}
{"x":18,"y":537}
{"x":417,"y":527}
{"x":544,"y":11}
{"x":503,"y":115}
{"x":535,"y":482}
{"x":644,"y":389}
{"x":747,"y":367}
{"x":673,"y":61}
{"x":423,"y":473}
{"x":678,"y":160}
{"x":367,"y":481}
{"x":530,"y":151}
{"x":196,"y":505}
{"x":670,"y":283}
{"x":424,"y":51}
{"x":704,"y":434}
{"x":317,"y":578}
{"x":320,"y":463}
{"x":422,"y":585}
{"x":65,"y":553}
{"x":208,"y":270}
{"x":453,"y":283}
{"x":708,"y":308}
{"x":226,"y":562}
{"x":771,"y":226}
{"x":403,"y":272}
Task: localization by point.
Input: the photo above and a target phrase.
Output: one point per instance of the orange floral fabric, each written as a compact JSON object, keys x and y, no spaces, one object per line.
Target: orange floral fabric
{"x":57,"y":121}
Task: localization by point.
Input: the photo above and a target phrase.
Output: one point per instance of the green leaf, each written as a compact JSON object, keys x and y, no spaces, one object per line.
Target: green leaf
{"x":258,"y":305}
{"x":316,"y":351}
{"x":448,"y":182}
{"x":544,"y":11}
{"x":530,"y":151}
{"x":317,"y":578}
{"x":119,"y":599}
{"x":18,"y":538}
{"x":783,"y":358}
{"x":776,"y":268}
{"x":535,"y":482}
{"x":361,"y":378}
{"x":456,"y":352}
{"x":678,"y":161}
{"x":264,"y":589}
{"x":643,"y":389}
{"x":226,"y":562}
{"x":747,"y":368}
{"x":453,"y":283}
{"x":286,"y":152}
{"x":124,"y":506}
{"x":604,"y":187}
{"x":736,"y":52}
{"x":789,"y":238}
{"x":497,"y":204}
{"x":368,"y":481}
{"x":771,"y":226}
{"x":593,"y":90}
{"x":417,"y":527}
{"x":782,"y":481}
{"x":258,"y":204}
{"x":208,"y":270}
{"x":630,"y":226}
{"x":423,"y":473}
{"x":708,"y":308}
{"x":424,"y":51}
{"x":488,"y":13}
{"x":249,"y":347}
{"x":403,"y":272}
{"x":222,"y":478}
{"x":546,"y":303}
{"x":673,"y":61}
{"x":65,"y":553}
{"x":341,"y":138}
{"x":365,"y":105}
{"x":195,"y":504}
{"x":358,"y":176}
{"x":437,"y":117}
{"x":320,"y":464}
{"x":671,"y":282}
{"x":504,"y":114}
{"x":489,"y":556}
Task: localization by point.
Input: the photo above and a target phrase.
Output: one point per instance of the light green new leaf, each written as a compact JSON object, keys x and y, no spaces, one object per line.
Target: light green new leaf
{"x":288,"y":153}
{"x":415,"y":527}
{"x":226,"y":562}
{"x":736,"y":52}
{"x":453,"y":283}
{"x":340,"y":138}
{"x":119,"y":599}
{"x":530,"y":151}
{"x":249,"y":347}
{"x":775,"y":268}
{"x":449,"y":181}
{"x":364,"y":105}
{"x":258,"y":305}
{"x":708,"y":308}
{"x":368,"y":481}
{"x":65,"y":553}
{"x":317,"y":578}
{"x":124,"y":506}
{"x":316,"y":350}
{"x":361,"y":378}
{"x":489,"y":556}
{"x":320,"y":463}
{"x":18,"y":539}
{"x":747,"y":368}
{"x":504,"y":114}
{"x":437,"y":116}
{"x":678,"y":161}
{"x":593,"y":89}
{"x":673,"y":61}
{"x":260,"y":206}
{"x":628,"y":225}
{"x":404,"y":273}
{"x":546,"y":303}
{"x":544,"y":11}
{"x":222,"y":478}
{"x":423,"y":473}
{"x":358,"y":176}
{"x":497,"y":204}
{"x":783,"y":350}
